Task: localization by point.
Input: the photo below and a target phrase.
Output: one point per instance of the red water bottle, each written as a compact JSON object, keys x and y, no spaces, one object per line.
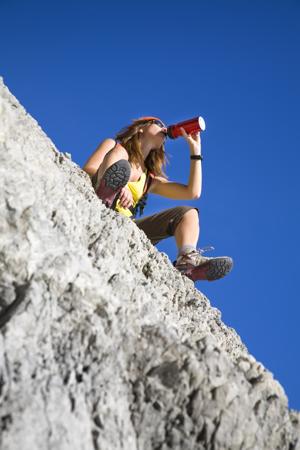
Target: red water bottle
{"x":190,"y":126}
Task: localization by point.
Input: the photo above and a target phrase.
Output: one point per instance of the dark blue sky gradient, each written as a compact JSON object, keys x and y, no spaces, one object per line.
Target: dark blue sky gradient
{"x":84,"y":69}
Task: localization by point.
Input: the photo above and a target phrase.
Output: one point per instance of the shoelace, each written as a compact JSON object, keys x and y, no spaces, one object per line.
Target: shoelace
{"x":205,"y":249}
{"x":200,"y":250}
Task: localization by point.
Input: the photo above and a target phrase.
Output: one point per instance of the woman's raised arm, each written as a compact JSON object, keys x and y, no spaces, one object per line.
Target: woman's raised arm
{"x":179,"y":191}
{"x":176,"y":191}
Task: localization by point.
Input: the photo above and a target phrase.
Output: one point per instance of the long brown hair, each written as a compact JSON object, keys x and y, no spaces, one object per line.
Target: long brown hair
{"x":128,"y":137}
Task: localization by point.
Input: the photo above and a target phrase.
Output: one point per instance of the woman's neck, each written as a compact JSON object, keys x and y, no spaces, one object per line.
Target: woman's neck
{"x":146,"y":148}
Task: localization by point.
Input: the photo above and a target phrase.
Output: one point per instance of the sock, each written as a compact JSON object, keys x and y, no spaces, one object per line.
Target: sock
{"x":185,"y":249}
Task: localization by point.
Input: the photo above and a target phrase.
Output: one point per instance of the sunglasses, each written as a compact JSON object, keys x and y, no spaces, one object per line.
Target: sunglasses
{"x":155,"y":120}
{"x":161,"y":125}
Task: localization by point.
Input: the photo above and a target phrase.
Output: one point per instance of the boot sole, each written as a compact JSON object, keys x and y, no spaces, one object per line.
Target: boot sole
{"x":113,"y":180}
{"x":217,"y":268}
{"x":211,"y":270}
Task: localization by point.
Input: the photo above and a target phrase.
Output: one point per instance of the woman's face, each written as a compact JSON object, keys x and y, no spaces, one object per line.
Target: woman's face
{"x":156,"y":134}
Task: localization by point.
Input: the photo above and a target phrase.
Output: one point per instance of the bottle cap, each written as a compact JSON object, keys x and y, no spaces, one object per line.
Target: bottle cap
{"x":202,"y":123}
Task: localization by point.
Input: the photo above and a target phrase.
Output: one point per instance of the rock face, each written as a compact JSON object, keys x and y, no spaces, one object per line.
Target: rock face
{"x":103,"y":343}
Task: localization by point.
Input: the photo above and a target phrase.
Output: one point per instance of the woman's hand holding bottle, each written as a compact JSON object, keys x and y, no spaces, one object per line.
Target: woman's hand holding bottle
{"x":193,"y":140}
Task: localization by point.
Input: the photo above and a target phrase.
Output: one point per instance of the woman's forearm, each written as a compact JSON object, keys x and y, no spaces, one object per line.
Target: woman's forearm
{"x":195,"y":179}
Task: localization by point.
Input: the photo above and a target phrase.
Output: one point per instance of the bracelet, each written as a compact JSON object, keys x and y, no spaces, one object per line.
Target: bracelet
{"x":197,"y":157}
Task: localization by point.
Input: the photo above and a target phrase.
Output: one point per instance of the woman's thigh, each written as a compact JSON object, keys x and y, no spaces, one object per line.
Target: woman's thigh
{"x":163,"y":224}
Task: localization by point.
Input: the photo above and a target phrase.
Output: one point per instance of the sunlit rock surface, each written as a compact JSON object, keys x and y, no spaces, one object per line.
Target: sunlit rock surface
{"x":104,"y":344}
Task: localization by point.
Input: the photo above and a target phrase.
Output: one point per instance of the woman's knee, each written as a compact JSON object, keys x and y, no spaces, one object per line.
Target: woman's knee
{"x":187,"y":212}
{"x":108,"y":161}
{"x":112,"y":158}
{"x":190,"y":211}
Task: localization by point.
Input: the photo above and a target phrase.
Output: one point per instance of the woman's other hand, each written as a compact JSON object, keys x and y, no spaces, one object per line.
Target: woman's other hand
{"x":193,"y":140}
{"x":126,"y":199}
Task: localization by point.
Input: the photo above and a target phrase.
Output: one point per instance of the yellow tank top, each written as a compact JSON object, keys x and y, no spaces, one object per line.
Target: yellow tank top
{"x":137,"y":189}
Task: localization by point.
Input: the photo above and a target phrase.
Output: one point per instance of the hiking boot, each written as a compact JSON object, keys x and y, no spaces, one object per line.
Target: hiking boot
{"x":112,"y":182}
{"x":198,"y":267}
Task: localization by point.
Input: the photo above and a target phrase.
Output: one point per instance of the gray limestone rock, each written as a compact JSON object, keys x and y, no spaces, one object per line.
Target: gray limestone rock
{"x":103,"y":343}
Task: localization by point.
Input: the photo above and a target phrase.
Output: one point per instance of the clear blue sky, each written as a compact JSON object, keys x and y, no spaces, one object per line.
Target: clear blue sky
{"x":84,"y":69}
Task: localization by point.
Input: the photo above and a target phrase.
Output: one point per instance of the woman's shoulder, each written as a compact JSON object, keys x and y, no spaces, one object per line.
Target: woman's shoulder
{"x":117,"y":147}
{"x":155,"y":180}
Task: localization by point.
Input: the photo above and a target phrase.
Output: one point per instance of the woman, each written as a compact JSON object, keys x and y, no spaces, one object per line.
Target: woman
{"x":125,"y":169}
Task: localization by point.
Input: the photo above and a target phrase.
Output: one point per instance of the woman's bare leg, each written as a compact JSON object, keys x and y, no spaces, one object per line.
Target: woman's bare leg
{"x":187,"y":231}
